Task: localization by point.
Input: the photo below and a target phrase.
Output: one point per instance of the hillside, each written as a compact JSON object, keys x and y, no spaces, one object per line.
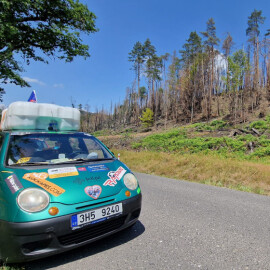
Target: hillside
{"x":213,"y":153}
{"x":250,"y":141}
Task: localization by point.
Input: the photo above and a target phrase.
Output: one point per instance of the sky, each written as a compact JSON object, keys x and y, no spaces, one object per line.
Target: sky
{"x":102,"y":79}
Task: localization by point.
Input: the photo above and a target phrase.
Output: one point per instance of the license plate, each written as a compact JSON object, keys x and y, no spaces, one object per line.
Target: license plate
{"x":96,"y":215}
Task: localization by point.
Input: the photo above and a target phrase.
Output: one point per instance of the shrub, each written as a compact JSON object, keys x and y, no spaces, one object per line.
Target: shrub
{"x":136,"y":145}
{"x":261,"y":152}
{"x":147,"y":118}
{"x":217,"y":124}
{"x":261,"y":124}
{"x":214,"y":125}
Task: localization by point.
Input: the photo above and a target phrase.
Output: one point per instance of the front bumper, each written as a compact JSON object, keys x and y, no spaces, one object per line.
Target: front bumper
{"x":33,"y":240}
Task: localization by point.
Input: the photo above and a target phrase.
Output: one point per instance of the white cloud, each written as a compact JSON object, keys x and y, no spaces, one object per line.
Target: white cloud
{"x":31,"y":80}
{"x":58,"y":85}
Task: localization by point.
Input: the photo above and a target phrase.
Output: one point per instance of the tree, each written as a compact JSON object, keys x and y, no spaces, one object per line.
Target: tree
{"x":191,"y":58}
{"x":227,"y":46}
{"x":153,"y":69}
{"x":191,"y":49}
{"x":142,"y":94}
{"x":37,"y":28}
{"x":237,"y":67}
{"x":254,"y":20}
{"x":137,"y":56}
{"x":210,"y":42}
{"x":171,"y":106}
{"x":253,"y":32}
{"x":147,"y":118}
{"x":267,"y":45}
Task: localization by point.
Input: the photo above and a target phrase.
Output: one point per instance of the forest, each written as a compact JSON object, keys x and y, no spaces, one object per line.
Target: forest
{"x":204,"y":80}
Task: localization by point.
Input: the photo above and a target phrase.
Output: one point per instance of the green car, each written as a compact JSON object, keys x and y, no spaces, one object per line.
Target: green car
{"x":60,"y":190}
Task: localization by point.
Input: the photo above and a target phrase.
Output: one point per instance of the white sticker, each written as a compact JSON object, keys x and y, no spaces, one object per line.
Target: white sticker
{"x":62,"y":172}
{"x":114,"y":177}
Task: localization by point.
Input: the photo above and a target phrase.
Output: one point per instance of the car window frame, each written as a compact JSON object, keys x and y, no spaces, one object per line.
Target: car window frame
{"x":81,"y":136}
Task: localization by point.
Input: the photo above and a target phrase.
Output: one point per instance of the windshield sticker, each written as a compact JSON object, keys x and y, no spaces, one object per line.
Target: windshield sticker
{"x":62,"y":172}
{"x":117,"y":175}
{"x":23,"y":160}
{"x":39,"y":179}
{"x":13,"y":183}
{"x":97,"y":168}
{"x":93,"y":191}
{"x":81,"y":169}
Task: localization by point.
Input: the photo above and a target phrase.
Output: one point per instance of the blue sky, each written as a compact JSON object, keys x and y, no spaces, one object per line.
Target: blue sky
{"x":103,"y":78}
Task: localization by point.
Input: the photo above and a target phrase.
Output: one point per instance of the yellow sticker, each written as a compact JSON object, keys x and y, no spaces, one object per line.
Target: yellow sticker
{"x":6,"y":172}
{"x":39,"y":179}
{"x":23,"y":160}
{"x":62,"y":172}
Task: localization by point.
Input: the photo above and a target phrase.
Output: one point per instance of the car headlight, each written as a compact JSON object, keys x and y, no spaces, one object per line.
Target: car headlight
{"x":33,"y":200}
{"x":130,"y":181}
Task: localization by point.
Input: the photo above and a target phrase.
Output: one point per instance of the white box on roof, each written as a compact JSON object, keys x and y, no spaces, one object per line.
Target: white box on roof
{"x":39,"y":116}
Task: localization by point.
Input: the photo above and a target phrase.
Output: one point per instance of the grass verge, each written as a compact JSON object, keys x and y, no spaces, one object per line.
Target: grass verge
{"x":208,"y":169}
{"x":6,"y":267}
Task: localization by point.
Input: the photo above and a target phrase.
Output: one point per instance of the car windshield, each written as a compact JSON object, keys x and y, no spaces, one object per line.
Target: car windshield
{"x":50,"y":148}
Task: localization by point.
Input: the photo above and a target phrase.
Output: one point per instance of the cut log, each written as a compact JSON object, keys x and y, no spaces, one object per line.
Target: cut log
{"x":256,"y":131}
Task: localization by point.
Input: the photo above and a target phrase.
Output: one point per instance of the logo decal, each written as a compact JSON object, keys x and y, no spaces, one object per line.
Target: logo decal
{"x":13,"y":183}
{"x":39,"y":179}
{"x":114,"y":177}
{"x":97,"y":168}
{"x":62,"y":172}
{"x":93,"y":191}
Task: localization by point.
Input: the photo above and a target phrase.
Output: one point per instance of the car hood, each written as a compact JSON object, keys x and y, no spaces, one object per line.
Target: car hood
{"x":71,"y":184}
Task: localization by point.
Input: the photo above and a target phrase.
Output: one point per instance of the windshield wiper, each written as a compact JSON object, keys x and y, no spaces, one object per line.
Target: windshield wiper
{"x":82,"y":160}
{"x":99,"y":159}
{"x":29,"y":163}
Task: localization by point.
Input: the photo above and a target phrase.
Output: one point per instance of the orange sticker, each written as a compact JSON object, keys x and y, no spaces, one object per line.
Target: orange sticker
{"x":39,"y":179}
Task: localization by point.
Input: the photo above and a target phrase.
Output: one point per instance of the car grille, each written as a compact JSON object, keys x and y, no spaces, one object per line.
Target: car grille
{"x":91,"y":232}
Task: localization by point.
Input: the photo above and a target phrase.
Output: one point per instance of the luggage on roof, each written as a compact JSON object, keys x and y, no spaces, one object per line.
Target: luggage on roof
{"x":40,"y":116}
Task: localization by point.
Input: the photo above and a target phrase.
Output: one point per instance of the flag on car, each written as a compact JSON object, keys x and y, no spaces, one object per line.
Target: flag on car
{"x":33,"y":97}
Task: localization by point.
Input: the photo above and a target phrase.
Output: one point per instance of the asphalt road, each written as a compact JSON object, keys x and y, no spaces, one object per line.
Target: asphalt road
{"x":183,"y":225}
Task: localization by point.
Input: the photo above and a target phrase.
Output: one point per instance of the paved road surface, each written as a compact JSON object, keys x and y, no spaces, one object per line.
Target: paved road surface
{"x":182,"y":226}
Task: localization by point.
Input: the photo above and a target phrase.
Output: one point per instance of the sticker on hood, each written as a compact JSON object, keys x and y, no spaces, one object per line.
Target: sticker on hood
{"x":114,"y":177}
{"x":13,"y":183}
{"x":97,"y":168}
{"x":62,"y":172}
{"x":39,"y":179}
{"x":93,"y":191}
{"x":81,"y":169}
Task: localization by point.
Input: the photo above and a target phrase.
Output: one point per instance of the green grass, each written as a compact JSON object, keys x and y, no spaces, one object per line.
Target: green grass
{"x":214,"y":125}
{"x":15,"y":267}
{"x":178,"y":141}
{"x":207,"y":169}
{"x":204,"y":153}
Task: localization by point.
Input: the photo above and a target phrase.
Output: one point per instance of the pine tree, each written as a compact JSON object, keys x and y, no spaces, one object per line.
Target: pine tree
{"x":137,"y":56}
{"x":191,"y":49}
{"x":210,"y":42}
{"x":227,"y":47}
{"x":253,"y":32}
{"x":153,"y":70}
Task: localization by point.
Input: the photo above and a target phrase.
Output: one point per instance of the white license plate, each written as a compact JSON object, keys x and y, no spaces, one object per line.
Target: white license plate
{"x":96,"y":215}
